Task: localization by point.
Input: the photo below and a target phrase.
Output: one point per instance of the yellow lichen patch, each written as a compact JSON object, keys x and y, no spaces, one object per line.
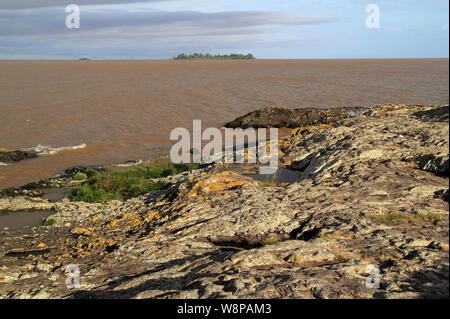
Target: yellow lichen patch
{"x":93,"y":220}
{"x":216,"y":184}
{"x":41,"y":245}
{"x":309,"y":129}
{"x":177,"y":206}
{"x":64,"y":256}
{"x":128,"y":222}
{"x":155,"y":238}
{"x":151,"y":215}
{"x":82,"y":231}
{"x":101,"y":243}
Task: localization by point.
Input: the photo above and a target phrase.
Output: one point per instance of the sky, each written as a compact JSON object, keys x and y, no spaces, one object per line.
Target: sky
{"x":269,"y":29}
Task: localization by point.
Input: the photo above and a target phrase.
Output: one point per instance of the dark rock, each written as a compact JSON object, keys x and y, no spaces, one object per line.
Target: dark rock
{"x":70,"y":172}
{"x":442,"y":194}
{"x":277,"y":117}
{"x":440,"y":114}
{"x":16,"y":156}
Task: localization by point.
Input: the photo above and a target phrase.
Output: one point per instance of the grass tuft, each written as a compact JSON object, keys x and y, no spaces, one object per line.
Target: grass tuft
{"x":49,"y":222}
{"x":117,"y":185}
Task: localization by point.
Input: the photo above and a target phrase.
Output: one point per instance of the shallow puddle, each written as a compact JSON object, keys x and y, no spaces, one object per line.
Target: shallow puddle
{"x":21,"y":219}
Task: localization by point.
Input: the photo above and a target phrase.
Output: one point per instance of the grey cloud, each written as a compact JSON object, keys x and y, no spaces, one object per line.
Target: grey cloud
{"x":25,"y":4}
{"x":52,"y":20}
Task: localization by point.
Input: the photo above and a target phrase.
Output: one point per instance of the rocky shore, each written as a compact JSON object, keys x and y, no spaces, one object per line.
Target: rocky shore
{"x":372,"y":189}
{"x":16,"y":156}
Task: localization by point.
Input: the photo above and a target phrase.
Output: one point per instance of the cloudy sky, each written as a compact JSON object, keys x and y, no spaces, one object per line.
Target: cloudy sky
{"x":160,"y":29}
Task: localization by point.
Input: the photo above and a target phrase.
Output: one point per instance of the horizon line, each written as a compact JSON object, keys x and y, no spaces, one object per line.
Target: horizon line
{"x":172,"y":59}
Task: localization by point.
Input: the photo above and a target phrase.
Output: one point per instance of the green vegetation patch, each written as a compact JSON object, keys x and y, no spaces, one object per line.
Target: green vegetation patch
{"x":117,"y":185}
{"x":49,"y":222}
{"x":79,"y":176}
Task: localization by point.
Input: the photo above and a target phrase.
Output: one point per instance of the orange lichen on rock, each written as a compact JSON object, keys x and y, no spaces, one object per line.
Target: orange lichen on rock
{"x":82,"y":231}
{"x":216,"y":184}
{"x":128,"y":222}
{"x":309,"y":129}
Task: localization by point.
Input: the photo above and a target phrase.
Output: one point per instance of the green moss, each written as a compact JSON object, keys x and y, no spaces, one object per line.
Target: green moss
{"x":49,"y":222}
{"x":79,"y":176}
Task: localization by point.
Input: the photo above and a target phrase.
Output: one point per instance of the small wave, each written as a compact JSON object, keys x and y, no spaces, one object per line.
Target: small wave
{"x":48,"y":150}
{"x":128,"y":164}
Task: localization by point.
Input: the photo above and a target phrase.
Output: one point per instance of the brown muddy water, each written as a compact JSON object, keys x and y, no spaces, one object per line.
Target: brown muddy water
{"x":20,"y":219}
{"x":115,"y":111}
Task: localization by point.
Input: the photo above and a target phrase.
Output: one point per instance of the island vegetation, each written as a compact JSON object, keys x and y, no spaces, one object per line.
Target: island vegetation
{"x":232,"y":56}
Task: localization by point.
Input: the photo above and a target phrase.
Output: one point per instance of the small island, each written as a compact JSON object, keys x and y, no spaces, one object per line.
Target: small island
{"x":232,"y":56}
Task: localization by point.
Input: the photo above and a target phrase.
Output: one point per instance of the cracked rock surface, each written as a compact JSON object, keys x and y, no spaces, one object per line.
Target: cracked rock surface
{"x":372,"y":190}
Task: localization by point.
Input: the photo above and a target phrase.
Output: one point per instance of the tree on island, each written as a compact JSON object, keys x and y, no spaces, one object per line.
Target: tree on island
{"x":232,"y":56}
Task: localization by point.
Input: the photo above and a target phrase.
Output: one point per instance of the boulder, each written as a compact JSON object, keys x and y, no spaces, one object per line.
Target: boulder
{"x":278,"y":117}
{"x":16,"y":156}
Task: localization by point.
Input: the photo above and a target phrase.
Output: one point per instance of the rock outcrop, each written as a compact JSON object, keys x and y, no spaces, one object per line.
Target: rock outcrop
{"x":16,"y":156}
{"x":366,"y":204}
{"x":275,"y":116}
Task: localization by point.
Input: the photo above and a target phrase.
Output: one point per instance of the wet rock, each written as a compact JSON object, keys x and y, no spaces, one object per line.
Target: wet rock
{"x":16,"y":156}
